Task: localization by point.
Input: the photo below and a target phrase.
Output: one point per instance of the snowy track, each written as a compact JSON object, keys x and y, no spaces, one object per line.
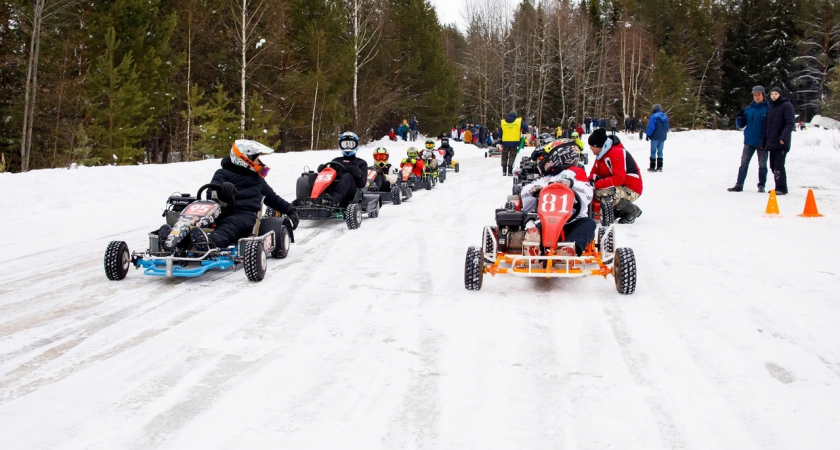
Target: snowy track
{"x":368,"y":339}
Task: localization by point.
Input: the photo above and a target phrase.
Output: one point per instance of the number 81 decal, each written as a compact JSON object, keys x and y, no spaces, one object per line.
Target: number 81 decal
{"x":548,"y":203}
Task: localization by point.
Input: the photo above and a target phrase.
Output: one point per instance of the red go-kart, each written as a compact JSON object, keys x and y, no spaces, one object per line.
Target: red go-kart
{"x":505,"y":250}
{"x":312,"y":204}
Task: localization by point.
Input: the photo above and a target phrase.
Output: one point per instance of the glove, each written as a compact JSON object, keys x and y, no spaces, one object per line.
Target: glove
{"x":565,"y":181}
{"x":354,"y":170}
{"x":227,"y":191}
{"x":293,"y":216}
{"x":647,"y":138}
{"x":321,"y":167}
{"x":535,"y":190}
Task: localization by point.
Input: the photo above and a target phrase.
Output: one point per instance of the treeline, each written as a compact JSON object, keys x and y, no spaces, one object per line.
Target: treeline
{"x":153,"y":81}
{"x":133,"y":81}
{"x":556,"y":62}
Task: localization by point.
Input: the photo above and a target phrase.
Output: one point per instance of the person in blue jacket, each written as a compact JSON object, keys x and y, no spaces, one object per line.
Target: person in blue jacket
{"x":657,"y":132}
{"x":752,"y":120}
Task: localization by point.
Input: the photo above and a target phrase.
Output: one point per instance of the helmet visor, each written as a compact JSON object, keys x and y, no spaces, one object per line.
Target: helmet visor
{"x":348,"y":144}
{"x":380,"y":157}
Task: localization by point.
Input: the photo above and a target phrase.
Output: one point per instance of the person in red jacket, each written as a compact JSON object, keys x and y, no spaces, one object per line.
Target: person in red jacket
{"x":579,"y":129}
{"x":616,"y":175}
{"x":413,"y":158}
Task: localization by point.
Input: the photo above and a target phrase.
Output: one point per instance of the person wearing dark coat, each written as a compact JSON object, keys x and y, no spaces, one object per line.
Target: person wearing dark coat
{"x":752,"y":120}
{"x":776,"y":139}
{"x":587,"y":122}
{"x":512,"y":128}
{"x":351,"y":178}
{"x":244,"y":190}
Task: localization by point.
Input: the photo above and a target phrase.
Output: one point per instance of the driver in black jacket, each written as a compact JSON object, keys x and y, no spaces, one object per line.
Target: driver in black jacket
{"x":244,"y":189}
{"x":351,"y":178}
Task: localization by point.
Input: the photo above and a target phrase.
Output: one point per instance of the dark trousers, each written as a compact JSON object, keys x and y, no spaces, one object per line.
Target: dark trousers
{"x":580,"y":231}
{"x":341,"y":191}
{"x":746,"y":156}
{"x":777,"y":165}
{"x":382,"y":184}
{"x":229,"y":229}
{"x":508,"y":156}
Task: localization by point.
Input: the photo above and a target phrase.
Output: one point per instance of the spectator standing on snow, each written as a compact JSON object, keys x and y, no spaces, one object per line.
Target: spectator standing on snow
{"x":657,"y":132}
{"x":613,"y":125}
{"x":413,"y":128}
{"x":776,"y":139}
{"x":595,"y":123}
{"x":587,"y":122}
{"x":468,"y":136}
{"x":482,"y":136}
{"x":642,"y":127}
{"x":512,"y":128}
{"x":752,"y":120}
{"x":724,"y":122}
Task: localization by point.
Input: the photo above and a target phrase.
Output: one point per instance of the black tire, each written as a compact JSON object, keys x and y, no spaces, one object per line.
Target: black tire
{"x":117,"y":260}
{"x":605,"y":244}
{"x":282,"y":242}
{"x":624,"y":271}
{"x":353,"y":216}
{"x":488,"y":241}
{"x":428,"y":184}
{"x":473,"y":269}
{"x":607,"y":213}
{"x":457,"y":167}
{"x":442,"y":175}
{"x":485,"y":154}
{"x":396,"y":195}
{"x":256,"y":261}
{"x":302,"y":189}
{"x":374,"y":214}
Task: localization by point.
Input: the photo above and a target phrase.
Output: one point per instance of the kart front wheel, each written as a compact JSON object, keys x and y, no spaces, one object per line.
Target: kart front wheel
{"x":473,"y":269}
{"x":457,"y":167}
{"x":353,"y":216}
{"x":256,"y":261}
{"x":117,"y":260}
{"x":624,"y":271}
{"x":282,"y":243}
{"x":396,"y":195}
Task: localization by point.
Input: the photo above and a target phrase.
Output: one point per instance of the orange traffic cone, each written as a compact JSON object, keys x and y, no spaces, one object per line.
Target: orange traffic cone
{"x":772,"y":206}
{"x":810,"y":206}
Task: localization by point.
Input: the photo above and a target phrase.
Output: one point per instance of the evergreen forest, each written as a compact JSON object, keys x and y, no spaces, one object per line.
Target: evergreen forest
{"x":100,"y":82}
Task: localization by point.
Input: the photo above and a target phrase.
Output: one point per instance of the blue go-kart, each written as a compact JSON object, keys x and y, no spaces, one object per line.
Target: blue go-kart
{"x":272,"y":235}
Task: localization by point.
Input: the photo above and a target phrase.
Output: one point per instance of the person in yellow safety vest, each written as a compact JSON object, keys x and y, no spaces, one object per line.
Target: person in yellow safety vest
{"x":512,"y":129}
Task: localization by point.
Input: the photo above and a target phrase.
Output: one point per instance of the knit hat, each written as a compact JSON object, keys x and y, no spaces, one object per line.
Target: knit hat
{"x":598,"y":137}
{"x":656,"y":107}
{"x":758,"y":89}
{"x":775,"y":89}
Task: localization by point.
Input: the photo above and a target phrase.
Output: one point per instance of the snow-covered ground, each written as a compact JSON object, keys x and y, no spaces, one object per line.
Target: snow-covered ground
{"x":367,"y":339}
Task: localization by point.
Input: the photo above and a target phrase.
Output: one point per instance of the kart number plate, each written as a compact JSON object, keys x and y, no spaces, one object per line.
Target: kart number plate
{"x":198,"y":209}
{"x":324,"y":177}
{"x":371,"y":175}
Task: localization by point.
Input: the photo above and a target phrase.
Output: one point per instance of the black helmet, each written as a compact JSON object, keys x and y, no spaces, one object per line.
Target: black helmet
{"x":562,"y":155}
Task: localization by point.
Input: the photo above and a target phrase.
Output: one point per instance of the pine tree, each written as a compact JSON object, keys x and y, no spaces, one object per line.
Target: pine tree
{"x":220,"y":128}
{"x":260,"y":125}
{"x":116,"y":106}
{"x":779,"y":38}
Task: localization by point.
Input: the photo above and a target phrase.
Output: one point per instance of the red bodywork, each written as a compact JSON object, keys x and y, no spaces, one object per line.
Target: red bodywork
{"x":554,"y":209}
{"x":406,"y":171}
{"x":417,"y":168}
{"x":323,"y":181}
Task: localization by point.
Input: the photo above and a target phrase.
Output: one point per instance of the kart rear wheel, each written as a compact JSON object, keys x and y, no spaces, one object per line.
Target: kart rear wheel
{"x":607,"y":214}
{"x":473,"y":269}
{"x":256,"y":261}
{"x":428,"y":183}
{"x":457,"y":167}
{"x":282,"y":243}
{"x":353,"y":216}
{"x":442,"y":175}
{"x":624,"y":271}
{"x":396,"y":195}
{"x":117,"y":260}
{"x":485,"y":154}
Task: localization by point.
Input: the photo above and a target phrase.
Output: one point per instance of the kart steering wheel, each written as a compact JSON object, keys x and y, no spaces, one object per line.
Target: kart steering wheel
{"x":336,"y":165}
{"x":213,"y":190}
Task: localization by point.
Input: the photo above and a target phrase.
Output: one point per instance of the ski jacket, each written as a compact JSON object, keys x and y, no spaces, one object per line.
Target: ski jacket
{"x":413,"y":126}
{"x":353,"y":161}
{"x":250,"y":190}
{"x":417,"y":170}
{"x":779,"y":126}
{"x":580,"y":184}
{"x":752,"y":120}
{"x":657,"y":129}
{"x":468,"y":137}
{"x":392,"y":136}
{"x":616,"y":167}
{"x":613,"y":123}
{"x":579,"y":130}
{"x":511,"y":133}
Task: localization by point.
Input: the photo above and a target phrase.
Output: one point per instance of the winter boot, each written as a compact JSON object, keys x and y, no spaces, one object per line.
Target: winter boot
{"x":504,"y":171}
{"x":738,"y":188}
{"x":761,"y":188}
{"x":626,"y":211}
{"x":652,"y":165}
{"x":659,"y":164}
{"x":199,"y":240}
{"x":163,"y":235}
{"x":510,"y":171}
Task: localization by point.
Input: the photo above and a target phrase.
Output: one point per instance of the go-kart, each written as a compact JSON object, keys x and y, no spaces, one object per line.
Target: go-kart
{"x":271,"y":235}
{"x":495,"y":150}
{"x":406,"y":177}
{"x":311,"y":204}
{"x":504,"y":249}
{"x":524,"y":174}
{"x":396,"y":195}
{"x":431,"y":174}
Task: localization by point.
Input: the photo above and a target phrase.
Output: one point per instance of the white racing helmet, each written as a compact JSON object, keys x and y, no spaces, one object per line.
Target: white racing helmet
{"x":246,"y":153}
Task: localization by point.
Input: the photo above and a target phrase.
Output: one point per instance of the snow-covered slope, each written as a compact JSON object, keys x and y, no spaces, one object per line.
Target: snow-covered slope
{"x":367,"y":339}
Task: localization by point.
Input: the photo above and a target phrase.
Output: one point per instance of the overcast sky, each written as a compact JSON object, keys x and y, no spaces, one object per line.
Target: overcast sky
{"x":449,"y":11}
